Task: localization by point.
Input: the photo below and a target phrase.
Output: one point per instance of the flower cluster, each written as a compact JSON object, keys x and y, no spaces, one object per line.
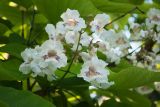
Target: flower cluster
{"x":44,"y":60}
{"x":149,"y":34}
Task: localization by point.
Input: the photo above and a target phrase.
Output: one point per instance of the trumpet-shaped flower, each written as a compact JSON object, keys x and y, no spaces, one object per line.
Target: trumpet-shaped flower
{"x":72,"y":20}
{"x":100,"y":20}
{"x":154,"y":16}
{"x":94,"y":71}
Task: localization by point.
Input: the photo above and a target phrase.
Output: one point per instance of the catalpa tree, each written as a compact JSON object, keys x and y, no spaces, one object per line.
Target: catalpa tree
{"x":64,"y":53}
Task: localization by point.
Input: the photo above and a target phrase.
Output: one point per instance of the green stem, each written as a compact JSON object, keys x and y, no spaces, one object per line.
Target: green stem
{"x":72,"y":60}
{"x":33,"y":84}
{"x":31,"y":26}
{"x":28,"y":84}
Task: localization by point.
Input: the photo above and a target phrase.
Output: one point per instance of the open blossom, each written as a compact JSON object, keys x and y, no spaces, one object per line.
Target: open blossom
{"x":85,"y":39}
{"x":72,"y":37}
{"x":100,"y":20}
{"x":44,"y":60}
{"x":53,"y":52}
{"x":114,"y":55}
{"x":113,"y":45}
{"x":94,"y":71}
{"x":60,"y":28}
{"x":50,"y":29}
{"x":27,"y":55}
{"x":154,"y":16}
{"x":72,"y":20}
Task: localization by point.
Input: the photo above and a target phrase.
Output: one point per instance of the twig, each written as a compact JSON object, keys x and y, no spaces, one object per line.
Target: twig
{"x":69,"y":67}
{"x":130,"y":11}
{"x":72,"y":95}
{"x":33,"y":84}
{"x":134,"y":50}
{"x":32,"y":25}
{"x":22,"y":19}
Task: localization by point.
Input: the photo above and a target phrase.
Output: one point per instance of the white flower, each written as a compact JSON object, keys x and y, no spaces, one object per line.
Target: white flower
{"x":44,"y":60}
{"x":99,"y":22}
{"x":85,"y":56}
{"x":157,"y":37}
{"x":114,"y":55}
{"x":72,"y":37}
{"x":60,"y":28}
{"x":25,"y":68}
{"x":154,"y":16}
{"x":116,"y":39}
{"x":144,"y":90}
{"x":113,"y":45}
{"x":28,"y":54}
{"x":85,"y":39}
{"x":50,"y":29}
{"x":121,"y":40}
{"x":158,"y":28}
{"x":156,"y":48}
{"x":94,"y":71}
{"x":157,"y":86}
{"x":72,"y":20}
{"x":149,"y":24}
{"x":103,"y":46}
{"x":133,"y":58}
{"x":53,"y":53}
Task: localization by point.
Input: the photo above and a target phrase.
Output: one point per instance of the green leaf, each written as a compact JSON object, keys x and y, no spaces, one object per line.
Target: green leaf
{"x":15,"y":38}
{"x":10,"y":70}
{"x":52,"y":9}
{"x":74,"y":70}
{"x":156,"y":1}
{"x":3,"y":104}
{"x":14,"y":84}
{"x":3,"y":28}
{"x":113,"y":103}
{"x":122,"y":65}
{"x":133,"y":99}
{"x":74,"y":83}
{"x":137,"y":2}
{"x":126,"y":97}
{"x":132,"y":77}
{"x":13,"y":14}
{"x":112,"y":7}
{"x":13,"y":49}
{"x":3,"y":39}
{"x":15,"y":98}
{"x":24,"y":3}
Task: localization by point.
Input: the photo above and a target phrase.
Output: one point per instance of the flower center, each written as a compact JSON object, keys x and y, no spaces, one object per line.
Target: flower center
{"x":92,"y":72}
{"x":51,"y":54}
{"x":120,"y":41}
{"x":72,"y":22}
{"x":156,"y":18}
